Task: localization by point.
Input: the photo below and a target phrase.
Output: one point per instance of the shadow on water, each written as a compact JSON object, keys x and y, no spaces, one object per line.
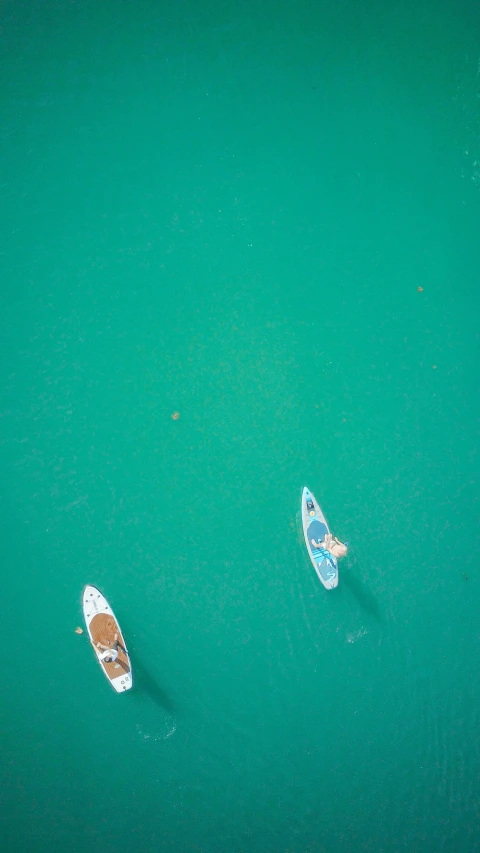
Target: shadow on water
{"x":144,"y":682}
{"x":361,"y":592}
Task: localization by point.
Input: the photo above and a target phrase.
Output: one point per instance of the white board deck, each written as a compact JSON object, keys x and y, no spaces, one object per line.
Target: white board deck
{"x":102,"y":627}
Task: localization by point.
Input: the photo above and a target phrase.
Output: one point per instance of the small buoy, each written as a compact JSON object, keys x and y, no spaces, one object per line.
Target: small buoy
{"x":420,"y":289}
{"x":175,"y":416}
{"x":79,"y":630}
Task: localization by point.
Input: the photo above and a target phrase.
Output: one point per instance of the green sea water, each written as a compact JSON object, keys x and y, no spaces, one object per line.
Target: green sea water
{"x":228,"y":210}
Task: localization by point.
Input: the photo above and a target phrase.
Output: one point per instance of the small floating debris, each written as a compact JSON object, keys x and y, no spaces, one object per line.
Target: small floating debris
{"x":420,"y":289}
{"x":356,"y":635}
{"x":79,"y":630}
{"x":175,"y":416}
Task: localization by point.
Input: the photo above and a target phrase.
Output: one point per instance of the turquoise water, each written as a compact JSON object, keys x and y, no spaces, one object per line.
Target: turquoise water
{"x":227,"y":211}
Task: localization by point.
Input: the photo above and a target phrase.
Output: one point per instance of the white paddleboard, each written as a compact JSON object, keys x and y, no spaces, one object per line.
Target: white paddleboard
{"x":102,"y":627}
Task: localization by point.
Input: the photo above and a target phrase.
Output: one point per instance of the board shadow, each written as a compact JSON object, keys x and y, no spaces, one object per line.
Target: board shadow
{"x":145,"y":682}
{"x":363,"y":595}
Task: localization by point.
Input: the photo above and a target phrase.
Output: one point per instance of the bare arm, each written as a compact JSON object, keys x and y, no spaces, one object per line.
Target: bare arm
{"x":99,"y":646}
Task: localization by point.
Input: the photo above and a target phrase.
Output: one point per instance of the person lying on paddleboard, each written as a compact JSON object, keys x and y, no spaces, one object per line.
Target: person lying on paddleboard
{"x":109,"y":653}
{"x":332,"y":545}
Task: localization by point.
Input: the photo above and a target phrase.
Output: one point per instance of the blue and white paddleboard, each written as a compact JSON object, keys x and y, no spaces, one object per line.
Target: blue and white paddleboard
{"x":314,"y":529}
